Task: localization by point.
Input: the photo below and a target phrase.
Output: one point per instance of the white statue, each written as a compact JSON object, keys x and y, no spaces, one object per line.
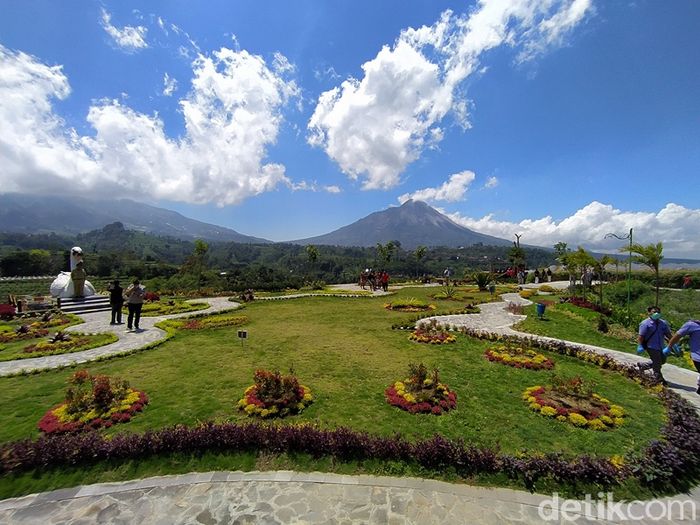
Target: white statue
{"x":62,"y":286}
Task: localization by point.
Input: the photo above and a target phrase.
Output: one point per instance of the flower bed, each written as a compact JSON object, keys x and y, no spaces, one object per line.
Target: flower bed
{"x":583,"y":303}
{"x":573,"y":402}
{"x":22,"y":334}
{"x":93,"y":402}
{"x":420,"y":393}
{"x":409,"y":305}
{"x":432,"y":336}
{"x":518,"y":357}
{"x":275,"y":395}
{"x":212,"y":322}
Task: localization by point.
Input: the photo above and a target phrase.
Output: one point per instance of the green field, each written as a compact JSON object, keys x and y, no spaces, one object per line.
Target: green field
{"x":345,"y":351}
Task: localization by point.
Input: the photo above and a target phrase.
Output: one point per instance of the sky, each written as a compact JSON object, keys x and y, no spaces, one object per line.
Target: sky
{"x":558,"y":120}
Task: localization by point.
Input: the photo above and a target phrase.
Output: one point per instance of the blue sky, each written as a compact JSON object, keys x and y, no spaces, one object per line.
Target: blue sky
{"x":560,"y":119}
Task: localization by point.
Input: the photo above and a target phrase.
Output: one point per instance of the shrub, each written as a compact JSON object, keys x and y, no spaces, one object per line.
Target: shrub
{"x":273,"y":394}
{"x":421,"y":392}
{"x":603,"y":324}
{"x":151,"y":297}
{"x":7,"y":311}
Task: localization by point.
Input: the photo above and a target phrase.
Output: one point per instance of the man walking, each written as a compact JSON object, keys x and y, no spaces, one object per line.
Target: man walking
{"x":652,"y":333}
{"x":116,"y":300}
{"x":692,"y":330}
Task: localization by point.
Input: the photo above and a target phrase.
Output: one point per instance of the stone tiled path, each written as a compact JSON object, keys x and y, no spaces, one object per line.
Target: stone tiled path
{"x":99,"y":322}
{"x":315,"y":498}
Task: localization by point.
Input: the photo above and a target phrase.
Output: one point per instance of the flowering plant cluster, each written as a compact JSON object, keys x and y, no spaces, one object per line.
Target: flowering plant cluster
{"x":7,"y":311}
{"x":432,"y":336}
{"x":212,"y":322}
{"x":22,"y":333}
{"x":583,"y":303}
{"x":59,"y":343}
{"x":421,"y":393}
{"x":409,"y":305}
{"x":93,"y":402}
{"x":571,"y":401}
{"x":518,"y":357}
{"x":151,"y":297}
{"x":275,"y":395}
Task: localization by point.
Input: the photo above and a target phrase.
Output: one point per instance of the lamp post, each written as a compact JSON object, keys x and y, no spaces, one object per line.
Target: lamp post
{"x":629,"y":266}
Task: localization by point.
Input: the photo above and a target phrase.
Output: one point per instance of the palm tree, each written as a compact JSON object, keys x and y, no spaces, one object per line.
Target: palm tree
{"x":651,"y":256}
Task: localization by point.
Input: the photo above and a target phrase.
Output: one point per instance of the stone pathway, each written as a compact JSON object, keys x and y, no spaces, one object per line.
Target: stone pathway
{"x":99,"y":322}
{"x":316,"y":498}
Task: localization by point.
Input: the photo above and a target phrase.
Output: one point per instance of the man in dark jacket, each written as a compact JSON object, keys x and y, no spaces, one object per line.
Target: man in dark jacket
{"x":116,"y":300}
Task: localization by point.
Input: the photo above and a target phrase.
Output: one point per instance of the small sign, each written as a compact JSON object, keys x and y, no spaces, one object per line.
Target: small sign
{"x":242,"y":334}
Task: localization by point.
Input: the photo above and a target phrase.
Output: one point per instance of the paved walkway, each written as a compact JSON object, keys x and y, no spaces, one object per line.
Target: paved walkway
{"x":315,"y":498}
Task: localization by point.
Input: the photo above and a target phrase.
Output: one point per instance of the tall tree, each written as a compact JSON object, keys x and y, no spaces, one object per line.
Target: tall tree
{"x":599,"y":266}
{"x":419,"y":253}
{"x":311,"y":254}
{"x":649,"y":255}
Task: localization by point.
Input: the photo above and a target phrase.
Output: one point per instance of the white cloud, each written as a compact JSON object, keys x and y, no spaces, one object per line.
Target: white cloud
{"x":374,"y":127}
{"x":328,"y":73}
{"x":232,"y":114}
{"x":128,"y":38}
{"x":332,"y":189}
{"x":169,"y":85}
{"x":452,"y":190}
{"x":674,"y":225}
{"x":491,"y":182}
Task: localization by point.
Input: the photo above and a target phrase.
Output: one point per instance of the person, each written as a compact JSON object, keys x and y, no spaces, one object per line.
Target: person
{"x":687,"y":280}
{"x":116,"y":300}
{"x":134,"y":302}
{"x":78,"y":276}
{"x":537,"y":276}
{"x":652,"y":333}
{"x":692,"y":330}
{"x":549,"y":275}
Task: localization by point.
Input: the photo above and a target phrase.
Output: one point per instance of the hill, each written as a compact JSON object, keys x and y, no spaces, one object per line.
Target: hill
{"x":412,"y":224}
{"x":69,"y":216}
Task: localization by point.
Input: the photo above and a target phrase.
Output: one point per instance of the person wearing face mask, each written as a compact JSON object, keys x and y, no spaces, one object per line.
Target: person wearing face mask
{"x":692,"y":330}
{"x":653,"y":331}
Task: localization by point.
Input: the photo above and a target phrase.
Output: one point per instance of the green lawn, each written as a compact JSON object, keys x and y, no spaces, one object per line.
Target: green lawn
{"x":579,"y":325}
{"x":345,"y":351}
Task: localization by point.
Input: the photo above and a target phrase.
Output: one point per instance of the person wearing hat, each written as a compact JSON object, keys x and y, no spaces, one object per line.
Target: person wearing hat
{"x":653,"y":331}
{"x":116,"y":300}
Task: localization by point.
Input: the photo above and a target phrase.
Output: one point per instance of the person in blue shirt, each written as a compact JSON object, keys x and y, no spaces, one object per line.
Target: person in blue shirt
{"x":653,"y":331}
{"x":692,"y":330}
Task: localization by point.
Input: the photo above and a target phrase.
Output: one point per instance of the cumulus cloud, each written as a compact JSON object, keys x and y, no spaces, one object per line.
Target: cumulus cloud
{"x":169,"y":85}
{"x":375,"y":126}
{"x":491,"y":182}
{"x":452,"y":190}
{"x":128,"y":38}
{"x":674,"y":225}
{"x":232,"y":114}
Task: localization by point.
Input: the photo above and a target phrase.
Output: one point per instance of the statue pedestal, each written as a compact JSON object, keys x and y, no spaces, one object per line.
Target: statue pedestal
{"x":62,"y":287}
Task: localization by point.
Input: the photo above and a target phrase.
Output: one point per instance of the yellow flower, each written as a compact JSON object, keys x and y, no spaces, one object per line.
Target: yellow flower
{"x":410,"y":398}
{"x":617,"y":461}
{"x":607,"y":420}
{"x":561,"y":418}
{"x":535,"y":406}
{"x":616,"y":411}
{"x":242,"y":403}
{"x":596,"y":424}
{"x":249,"y":409}
{"x":308,"y":397}
{"x":264,"y":412}
{"x":300,"y":406}
{"x":578,"y":420}
{"x":618,"y":421}
{"x":548,"y":411}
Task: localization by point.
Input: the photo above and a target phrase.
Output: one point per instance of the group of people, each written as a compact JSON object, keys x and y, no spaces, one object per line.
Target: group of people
{"x":656,"y":340}
{"x":375,"y":280}
{"x":540,"y":276}
{"x":134,"y":297}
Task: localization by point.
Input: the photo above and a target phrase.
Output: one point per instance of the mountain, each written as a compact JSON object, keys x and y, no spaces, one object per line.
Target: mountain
{"x":413,"y":224}
{"x":73,"y":215}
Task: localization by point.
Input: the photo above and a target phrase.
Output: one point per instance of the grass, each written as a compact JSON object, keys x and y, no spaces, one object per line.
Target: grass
{"x":572,"y":323}
{"x":345,"y":351}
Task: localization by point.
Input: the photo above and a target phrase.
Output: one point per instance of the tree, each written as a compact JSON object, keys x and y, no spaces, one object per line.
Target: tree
{"x":386,"y":252}
{"x":600,"y":265}
{"x":311,"y":254}
{"x":582,"y":261}
{"x":650,"y":256}
{"x":419,"y":253}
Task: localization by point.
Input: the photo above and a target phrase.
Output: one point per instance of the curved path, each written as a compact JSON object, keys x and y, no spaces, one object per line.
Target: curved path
{"x":316,"y":498}
{"x":99,"y":322}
